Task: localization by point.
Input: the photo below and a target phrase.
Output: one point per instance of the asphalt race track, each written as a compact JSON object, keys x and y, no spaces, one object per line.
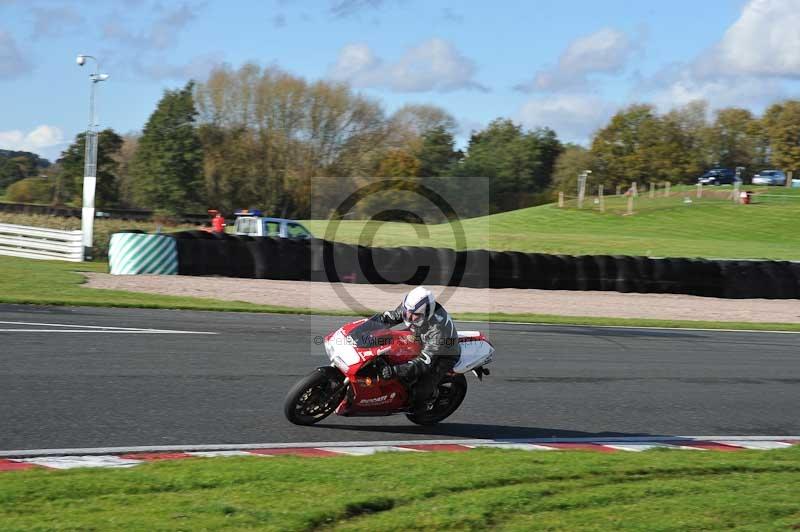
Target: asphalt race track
{"x":72,"y":377}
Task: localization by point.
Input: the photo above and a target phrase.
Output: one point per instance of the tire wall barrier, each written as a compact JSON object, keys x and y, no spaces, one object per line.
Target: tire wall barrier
{"x":202,"y":253}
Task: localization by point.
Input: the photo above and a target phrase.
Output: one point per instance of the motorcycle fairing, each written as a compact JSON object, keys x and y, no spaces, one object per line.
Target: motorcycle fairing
{"x":357,"y":349}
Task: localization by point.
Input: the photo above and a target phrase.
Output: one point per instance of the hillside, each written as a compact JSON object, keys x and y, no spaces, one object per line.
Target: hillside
{"x":708,"y":227}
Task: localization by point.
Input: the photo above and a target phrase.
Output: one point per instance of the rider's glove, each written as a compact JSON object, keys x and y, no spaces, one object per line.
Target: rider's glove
{"x":387,"y":372}
{"x":386,"y":317}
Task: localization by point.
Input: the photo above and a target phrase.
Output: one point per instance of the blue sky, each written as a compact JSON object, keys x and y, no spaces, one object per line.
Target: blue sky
{"x":564,"y":64}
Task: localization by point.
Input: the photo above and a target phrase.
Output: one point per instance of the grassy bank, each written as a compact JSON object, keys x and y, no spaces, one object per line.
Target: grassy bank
{"x":482,"y":489}
{"x":25,"y":281}
{"x":664,"y":227}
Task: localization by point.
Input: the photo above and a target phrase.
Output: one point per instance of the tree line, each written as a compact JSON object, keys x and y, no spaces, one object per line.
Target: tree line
{"x":256,"y":137}
{"x":639,"y":144}
{"x":264,"y":138}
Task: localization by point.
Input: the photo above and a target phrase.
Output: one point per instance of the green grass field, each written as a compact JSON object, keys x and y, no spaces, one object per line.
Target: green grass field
{"x":663,"y":227}
{"x":27,"y":281}
{"x":476,"y":490}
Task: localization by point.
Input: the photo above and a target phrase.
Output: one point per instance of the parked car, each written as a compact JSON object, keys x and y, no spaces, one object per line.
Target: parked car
{"x":252,"y":223}
{"x":769,"y":177}
{"x":718,"y":176}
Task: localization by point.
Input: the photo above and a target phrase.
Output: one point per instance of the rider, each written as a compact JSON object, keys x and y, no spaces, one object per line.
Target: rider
{"x":432,"y":326}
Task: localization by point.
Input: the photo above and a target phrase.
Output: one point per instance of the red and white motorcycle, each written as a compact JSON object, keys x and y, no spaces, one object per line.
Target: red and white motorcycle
{"x":352,"y":386}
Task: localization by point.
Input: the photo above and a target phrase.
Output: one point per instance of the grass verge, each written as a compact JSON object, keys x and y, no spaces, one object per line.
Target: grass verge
{"x":36,"y":282}
{"x":477,"y":490}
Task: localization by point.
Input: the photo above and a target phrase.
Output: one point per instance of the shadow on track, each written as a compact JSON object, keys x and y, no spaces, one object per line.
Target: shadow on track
{"x":481,"y":431}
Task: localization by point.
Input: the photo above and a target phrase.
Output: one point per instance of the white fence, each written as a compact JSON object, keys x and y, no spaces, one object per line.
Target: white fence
{"x":40,"y":243}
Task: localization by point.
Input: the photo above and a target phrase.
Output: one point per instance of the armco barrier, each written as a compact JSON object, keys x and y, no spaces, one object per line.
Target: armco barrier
{"x":201,"y":253}
{"x":40,"y":243}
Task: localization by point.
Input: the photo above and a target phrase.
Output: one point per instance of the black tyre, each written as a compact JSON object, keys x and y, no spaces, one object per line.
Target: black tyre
{"x":315,"y":397}
{"x":452,"y":390}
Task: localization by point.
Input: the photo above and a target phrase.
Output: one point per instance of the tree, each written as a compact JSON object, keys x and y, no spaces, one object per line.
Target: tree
{"x":166,"y":172}
{"x":686,"y":127}
{"x":437,"y":154}
{"x":638,"y":145}
{"x":519,"y":164}
{"x":68,"y":186}
{"x":573,"y":161}
{"x":781,"y":124}
{"x":266,"y":134}
{"x":732,"y":139}
{"x":17,"y":165}
{"x":124,"y":158}
{"x":618,"y":148}
{"x":399,"y":163}
{"x":409,"y":124}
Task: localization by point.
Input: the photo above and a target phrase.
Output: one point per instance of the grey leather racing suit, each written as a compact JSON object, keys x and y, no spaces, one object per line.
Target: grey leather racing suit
{"x":440,"y":352}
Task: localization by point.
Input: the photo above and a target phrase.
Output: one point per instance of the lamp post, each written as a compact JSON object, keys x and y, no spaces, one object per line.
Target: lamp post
{"x":90,"y":161}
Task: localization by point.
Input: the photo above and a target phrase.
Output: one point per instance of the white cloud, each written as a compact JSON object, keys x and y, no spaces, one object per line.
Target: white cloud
{"x":739,"y":91}
{"x":763,"y":41}
{"x":749,"y":67}
{"x":41,"y":140}
{"x":355,"y":61}
{"x":12,"y":62}
{"x":606,"y":51}
{"x":433,"y":65}
{"x":573,"y":116}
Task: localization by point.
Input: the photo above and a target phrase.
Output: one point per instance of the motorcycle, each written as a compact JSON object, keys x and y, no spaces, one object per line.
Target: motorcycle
{"x":352,"y":384}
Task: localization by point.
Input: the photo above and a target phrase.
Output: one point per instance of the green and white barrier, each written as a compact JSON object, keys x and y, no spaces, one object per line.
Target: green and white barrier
{"x":135,"y":254}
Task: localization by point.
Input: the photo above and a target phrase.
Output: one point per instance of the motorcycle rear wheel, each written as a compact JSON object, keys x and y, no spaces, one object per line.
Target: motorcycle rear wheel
{"x":314,"y":397}
{"x":452,"y":390}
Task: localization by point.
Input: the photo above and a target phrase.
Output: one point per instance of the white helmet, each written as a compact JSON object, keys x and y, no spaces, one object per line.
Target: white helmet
{"x":418,"y":307}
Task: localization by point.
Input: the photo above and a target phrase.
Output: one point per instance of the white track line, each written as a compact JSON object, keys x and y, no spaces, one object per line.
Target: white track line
{"x":143,"y":331}
{"x":72,"y":462}
{"x":607,"y":440}
{"x":72,"y":328}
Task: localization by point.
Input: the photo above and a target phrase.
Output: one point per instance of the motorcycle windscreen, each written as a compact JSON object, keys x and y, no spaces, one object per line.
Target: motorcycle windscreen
{"x":363,"y":335}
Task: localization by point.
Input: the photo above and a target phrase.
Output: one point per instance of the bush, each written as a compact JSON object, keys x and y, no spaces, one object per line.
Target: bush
{"x":30,"y":190}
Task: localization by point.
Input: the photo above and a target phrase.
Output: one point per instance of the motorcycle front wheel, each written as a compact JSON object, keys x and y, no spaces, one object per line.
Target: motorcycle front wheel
{"x":314,"y":397}
{"x":452,"y":390}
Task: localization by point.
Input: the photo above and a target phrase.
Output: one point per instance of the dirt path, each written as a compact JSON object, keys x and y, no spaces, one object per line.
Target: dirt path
{"x":339,"y":296}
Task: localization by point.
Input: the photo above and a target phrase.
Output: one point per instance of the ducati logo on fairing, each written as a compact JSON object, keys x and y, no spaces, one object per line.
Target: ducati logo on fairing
{"x":374,"y":400}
